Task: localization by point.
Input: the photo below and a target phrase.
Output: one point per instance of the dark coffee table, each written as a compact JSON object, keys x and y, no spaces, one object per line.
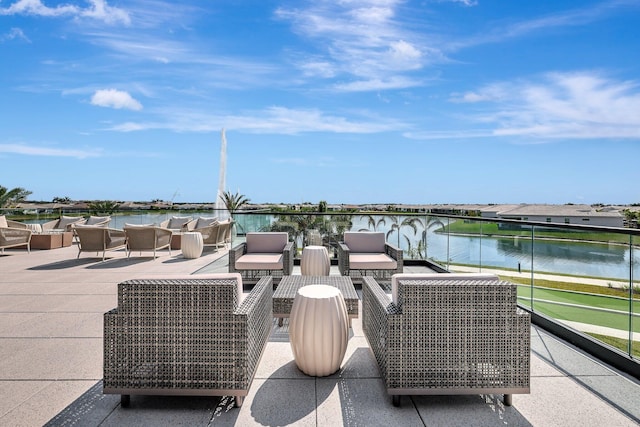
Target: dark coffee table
{"x":288,"y":287}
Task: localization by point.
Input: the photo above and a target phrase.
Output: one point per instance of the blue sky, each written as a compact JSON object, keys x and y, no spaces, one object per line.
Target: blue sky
{"x":352,"y":101}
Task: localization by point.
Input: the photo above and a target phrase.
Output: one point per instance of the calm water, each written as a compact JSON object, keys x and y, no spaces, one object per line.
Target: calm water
{"x":597,"y":260}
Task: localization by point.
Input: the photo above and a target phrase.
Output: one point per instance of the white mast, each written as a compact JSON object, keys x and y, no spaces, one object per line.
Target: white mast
{"x":222,"y":181}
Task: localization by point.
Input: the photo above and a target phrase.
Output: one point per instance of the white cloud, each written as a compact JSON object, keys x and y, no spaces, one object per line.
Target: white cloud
{"x":114,"y":98}
{"x":98,"y":10}
{"x":581,"y":105}
{"x":365,"y":39}
{"x":14,"y":33}
{"x":272,"y":120}
{"x":47,"y":151}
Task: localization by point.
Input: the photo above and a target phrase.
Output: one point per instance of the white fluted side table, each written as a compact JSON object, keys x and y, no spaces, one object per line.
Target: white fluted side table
{"x":315,"y":261}
{"x":192,"y":244}
{"x":319,"y":329}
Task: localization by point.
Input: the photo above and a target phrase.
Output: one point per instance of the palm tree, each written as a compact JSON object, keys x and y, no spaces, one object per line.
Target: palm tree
{"x":234,"y":202}
{"x":100,"y":207}
{"x":372,"y":223}
{"x":12,"y":197}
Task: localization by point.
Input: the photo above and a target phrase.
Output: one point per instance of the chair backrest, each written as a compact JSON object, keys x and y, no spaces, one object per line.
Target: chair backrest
{"x":177,"y":222}
{"x":365,"y":241}
{"x":205,"y":222}
{"x":140,"y":237}
{"x":91,"y":237}
{"x":454,"y":278}
{"x":267,"y":242}
{"x":65,"y":221}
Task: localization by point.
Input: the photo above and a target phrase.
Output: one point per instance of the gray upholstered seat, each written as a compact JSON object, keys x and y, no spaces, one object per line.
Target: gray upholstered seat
{"x":147,"y":238}
{"x":367,"y":253}
{"x":268,"y":253}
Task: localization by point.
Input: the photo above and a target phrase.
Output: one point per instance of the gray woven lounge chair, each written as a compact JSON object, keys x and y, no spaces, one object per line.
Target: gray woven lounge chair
{"x":192,"y":336}
{"x":210,"y":230}
{"x":147,"y":238}
{"x":367,"y":253}
{"x":448,"y":334}
{"x":179,"y":223}
{"x":92,"y":238}
{"x":263,"y":254}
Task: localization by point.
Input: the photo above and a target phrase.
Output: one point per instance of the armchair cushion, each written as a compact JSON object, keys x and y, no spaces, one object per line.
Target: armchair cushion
{"x":66,"y":221}
{"x":395,"y":298}
{"x":205,"y":222}
{"x":97,"y":220}
{"x":260,"y":261}
{"x":365,"y":241}
{"x":371,"y":261}
{"x":177,"y":222}
{"x":269,"y":242}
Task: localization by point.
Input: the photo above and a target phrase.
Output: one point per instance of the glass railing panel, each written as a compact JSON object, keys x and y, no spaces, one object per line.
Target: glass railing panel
{"x":634,"y":291}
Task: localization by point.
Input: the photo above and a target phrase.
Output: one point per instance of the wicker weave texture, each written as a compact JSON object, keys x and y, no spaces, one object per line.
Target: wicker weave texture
{"x":449,"y":336}
{"x":357,"y":275}
{"x":253,"y":276}
{"x":288,"y":288}
{"x":185,"y":336}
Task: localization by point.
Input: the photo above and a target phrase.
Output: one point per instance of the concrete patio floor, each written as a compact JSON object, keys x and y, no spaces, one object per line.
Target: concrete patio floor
{"x":51,"y":308}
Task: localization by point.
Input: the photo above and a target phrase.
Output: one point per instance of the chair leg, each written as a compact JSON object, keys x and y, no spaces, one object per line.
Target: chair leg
{"x":239,"y":401}
{"x":395,"y":400}
{"x":125,"y":400}
{"x":508,"y":399}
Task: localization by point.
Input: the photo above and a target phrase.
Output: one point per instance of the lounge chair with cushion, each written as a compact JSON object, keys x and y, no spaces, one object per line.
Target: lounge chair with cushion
{"x":210,"y":233}
{"x":147,"y":238}
{"x":197,"y":335}
{"x":179,"y":223}
{"x":12,"y":236}
{"x":263,"y":254}
{"x":445,"y":334}
{"x":98,"y":220}
{"x":367,"y":253}
{"x":95,"y":238}
{"x":4,"y":223}
{"x":64,"y":223}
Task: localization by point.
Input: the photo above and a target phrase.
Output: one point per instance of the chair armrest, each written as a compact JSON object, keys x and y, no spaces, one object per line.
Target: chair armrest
{"x":164,"y":223}
{"x":343,"y":258}
{"x":234,"y":254}
{"x":288,"y":255}
{"x":379,"y":314}
{"x":395,"y":253}
{"x":256,"y":315}
{"x":189,"y":226}
{"x":16,"y":224}
{"x":16,"y":232}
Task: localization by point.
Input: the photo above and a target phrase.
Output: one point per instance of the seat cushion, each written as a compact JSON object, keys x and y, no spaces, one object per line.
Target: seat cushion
{"x":260,"y":261}
{"x":368,"y":261}
{"x":365,"y":241}
{"x":93,"y":220}
{"x":66,"y":220}
{"x":266,"y":243}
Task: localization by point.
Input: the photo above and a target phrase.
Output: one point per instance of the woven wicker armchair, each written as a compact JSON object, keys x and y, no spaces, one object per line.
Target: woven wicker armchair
{"x":263,"y":254}
{"x":147,"y":238}
{"x":97,"y":238}
{"x":366,"y":253}
{"x":186,"y":336}
{"x":448,"y":334}
{"x":11,"y":237}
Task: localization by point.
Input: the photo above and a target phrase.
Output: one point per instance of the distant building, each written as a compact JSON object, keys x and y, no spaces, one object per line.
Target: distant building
{"x":557,"y":214}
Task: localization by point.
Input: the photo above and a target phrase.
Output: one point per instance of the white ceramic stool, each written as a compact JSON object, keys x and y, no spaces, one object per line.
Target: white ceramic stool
{"x":315,"y":261}
{"x":319,"y":329}
{"x":192,"y":244}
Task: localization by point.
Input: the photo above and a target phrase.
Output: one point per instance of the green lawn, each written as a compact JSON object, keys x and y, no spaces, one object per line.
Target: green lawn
{"x":491,"y":229}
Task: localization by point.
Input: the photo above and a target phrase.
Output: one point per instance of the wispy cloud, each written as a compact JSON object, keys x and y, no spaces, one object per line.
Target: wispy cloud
{"x":360,"y":40}
{"x":114,"y":98}
{"x":14,"y":33}
{"x":98,"y":10}
{"x":30,"y":150}
{"x":581,"y":105}
{"x":272,"y":120}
